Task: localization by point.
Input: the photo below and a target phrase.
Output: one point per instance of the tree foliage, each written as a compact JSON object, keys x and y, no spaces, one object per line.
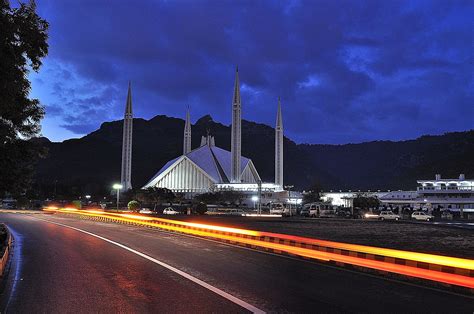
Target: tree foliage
{"x":133,"y":205}
{"x":155,"y":196}
{"x":23,"y":43}
{"x":365,"y":201}
{"x":221,"y":197}
{"x":201,"y":208}
{"x":313,"y":195}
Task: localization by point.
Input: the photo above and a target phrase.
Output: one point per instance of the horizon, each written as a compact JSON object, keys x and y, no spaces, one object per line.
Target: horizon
{"x":260,"y":123}
{"x":341,"y":79}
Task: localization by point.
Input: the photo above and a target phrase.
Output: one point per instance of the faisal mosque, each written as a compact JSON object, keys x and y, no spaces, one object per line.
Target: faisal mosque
{"x":208,"y":167}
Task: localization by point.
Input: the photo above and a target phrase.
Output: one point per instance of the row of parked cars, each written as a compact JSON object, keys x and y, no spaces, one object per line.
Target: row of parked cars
{"x":166,"y":211}
{"x":389,"y":215}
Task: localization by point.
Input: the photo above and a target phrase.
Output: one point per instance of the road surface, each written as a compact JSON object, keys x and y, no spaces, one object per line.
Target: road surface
{"x":59,"y":269}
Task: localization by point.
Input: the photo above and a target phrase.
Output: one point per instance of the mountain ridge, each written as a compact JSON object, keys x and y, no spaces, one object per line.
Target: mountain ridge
{"x":92,"y":162}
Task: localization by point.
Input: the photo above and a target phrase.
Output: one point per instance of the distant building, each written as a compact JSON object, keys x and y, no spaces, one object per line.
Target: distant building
{"x":453,"y":194}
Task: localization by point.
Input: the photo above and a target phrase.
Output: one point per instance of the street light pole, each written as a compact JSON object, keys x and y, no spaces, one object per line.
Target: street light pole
{"x":118,"y":197}
{"x":117,"y":187}
{"x":289,"y":187}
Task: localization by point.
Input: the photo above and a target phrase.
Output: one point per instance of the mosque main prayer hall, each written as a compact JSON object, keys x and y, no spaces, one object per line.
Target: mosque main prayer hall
{"x":209,"y":167}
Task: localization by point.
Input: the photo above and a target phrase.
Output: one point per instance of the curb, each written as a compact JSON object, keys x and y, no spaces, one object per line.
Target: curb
{"x":6,"y":254}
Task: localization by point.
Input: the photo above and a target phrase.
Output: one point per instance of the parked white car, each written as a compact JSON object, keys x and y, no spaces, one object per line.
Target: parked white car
{"x":145,"y":211}
{"x":277,"y":211}
{"x":388,"y":215}
{"x":421,"y":216}
{"x":170,"y":211}
{"x":236,"y":212}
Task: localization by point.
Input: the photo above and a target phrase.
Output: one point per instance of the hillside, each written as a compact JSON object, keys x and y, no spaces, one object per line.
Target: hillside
{"x":92,"y":163}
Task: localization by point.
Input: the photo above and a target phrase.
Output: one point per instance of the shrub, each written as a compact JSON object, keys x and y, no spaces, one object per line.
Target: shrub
{"x":133,"y":205}
{"x":201,"y":208}
{"x":76,"y":204}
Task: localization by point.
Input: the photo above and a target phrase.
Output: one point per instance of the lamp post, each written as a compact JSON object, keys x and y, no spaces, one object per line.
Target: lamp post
{"x":117,"y":187}
{"x":289,"y":187}
{"x":254,"y":199}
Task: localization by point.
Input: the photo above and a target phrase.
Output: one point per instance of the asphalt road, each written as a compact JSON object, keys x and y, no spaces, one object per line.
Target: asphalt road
{"x":59,"y":269}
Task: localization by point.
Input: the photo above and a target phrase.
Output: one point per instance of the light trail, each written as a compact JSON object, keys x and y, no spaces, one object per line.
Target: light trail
{"x":209,"y":231}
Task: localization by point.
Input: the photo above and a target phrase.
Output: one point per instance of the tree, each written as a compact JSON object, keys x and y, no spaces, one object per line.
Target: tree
{"x":209,"y":198}
{"x":364,"y":201}
{"x":231,"y":196}
{"x":313,"y":195}
{"x":201,"y":208}
{"x":133,"y":206}
{"x":23,"y":44}
{"x":155,"y":195}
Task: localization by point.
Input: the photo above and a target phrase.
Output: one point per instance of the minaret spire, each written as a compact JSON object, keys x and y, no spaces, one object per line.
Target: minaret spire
{"x":279,"y":148}
{"x":187,"y":134}
{"x":236,"y":131}
{"x":126,"y":173}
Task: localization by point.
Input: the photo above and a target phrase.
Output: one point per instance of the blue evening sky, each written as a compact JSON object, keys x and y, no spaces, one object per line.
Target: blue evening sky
{"x":347,"y":71}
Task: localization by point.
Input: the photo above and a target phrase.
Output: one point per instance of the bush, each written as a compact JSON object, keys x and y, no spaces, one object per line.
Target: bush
{"x":76,"y":204}
{"x":201,"y":208}
{"x":133,"y":205}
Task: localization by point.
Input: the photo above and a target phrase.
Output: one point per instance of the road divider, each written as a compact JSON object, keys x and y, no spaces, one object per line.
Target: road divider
{"x":6,"y":252}
{"x":453,"y":271}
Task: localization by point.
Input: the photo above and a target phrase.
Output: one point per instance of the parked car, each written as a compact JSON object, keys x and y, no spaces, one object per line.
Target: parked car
{"x":446,"y":214}
{"x":170,"y":211}
{"x":304,"y":212}
{"x":289,"y":211}
{"x":145,"y":211}
{"x":277,"y":209}
{"x":341,"y":213}
{"x":418,"y":215}
{"x":236,"y":212}
{"x":388,"y":215}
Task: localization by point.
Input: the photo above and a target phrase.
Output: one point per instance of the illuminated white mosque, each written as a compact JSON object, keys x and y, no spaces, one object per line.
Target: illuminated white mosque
{"x":208,"y":167}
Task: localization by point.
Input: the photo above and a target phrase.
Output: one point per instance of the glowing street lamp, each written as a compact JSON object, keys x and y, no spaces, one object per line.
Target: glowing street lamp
{"x":254,"y":199}
{"x":117,"y":187}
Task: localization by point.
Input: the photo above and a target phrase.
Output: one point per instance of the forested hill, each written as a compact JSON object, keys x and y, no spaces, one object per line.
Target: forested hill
{"x":92,"y":163}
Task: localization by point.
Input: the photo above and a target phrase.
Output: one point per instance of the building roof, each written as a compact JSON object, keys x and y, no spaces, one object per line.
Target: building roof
{"x":214,"y":161}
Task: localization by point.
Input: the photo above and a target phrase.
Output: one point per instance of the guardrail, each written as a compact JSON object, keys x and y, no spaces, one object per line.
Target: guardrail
{"x":6,"y":252}
{"x":458,"y":272}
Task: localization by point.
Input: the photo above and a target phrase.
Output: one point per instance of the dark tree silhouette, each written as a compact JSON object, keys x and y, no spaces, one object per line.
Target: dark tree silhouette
{"x":155,"y":196}
{"x":313,"y":195}
{"x":23,"y":44}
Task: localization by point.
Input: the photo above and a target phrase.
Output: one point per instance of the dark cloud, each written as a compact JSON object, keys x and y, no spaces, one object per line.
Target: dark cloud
{"x":347,"y":71}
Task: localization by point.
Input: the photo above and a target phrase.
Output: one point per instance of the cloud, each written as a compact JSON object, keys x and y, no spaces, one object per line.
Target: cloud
{"x":346,"y":71}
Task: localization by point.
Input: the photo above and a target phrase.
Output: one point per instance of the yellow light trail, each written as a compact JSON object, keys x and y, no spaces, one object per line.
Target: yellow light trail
{"x":182,"y":226}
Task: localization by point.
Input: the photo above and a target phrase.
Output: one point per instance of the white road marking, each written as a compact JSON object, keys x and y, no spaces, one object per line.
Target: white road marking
{"x":203,"y":284}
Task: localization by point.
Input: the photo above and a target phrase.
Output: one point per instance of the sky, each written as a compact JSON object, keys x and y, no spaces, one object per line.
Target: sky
{"x":346,"y":71}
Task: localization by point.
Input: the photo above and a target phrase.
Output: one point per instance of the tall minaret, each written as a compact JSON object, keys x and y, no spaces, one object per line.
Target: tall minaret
{"x":126,"y":177}
{"x":279,"y":148}
{"x":187,"y":134}
{"x":236,"y":131}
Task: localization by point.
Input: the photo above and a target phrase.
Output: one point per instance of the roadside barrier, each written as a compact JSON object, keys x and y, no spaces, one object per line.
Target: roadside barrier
{"x":6,"y":252}
{"x":450,"y":271}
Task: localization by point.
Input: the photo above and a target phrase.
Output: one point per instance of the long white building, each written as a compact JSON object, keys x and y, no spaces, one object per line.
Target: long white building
{"x":456,"y":195}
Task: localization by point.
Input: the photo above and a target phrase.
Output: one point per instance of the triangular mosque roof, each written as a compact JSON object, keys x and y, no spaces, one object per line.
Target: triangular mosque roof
{"x":215,"y":161}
